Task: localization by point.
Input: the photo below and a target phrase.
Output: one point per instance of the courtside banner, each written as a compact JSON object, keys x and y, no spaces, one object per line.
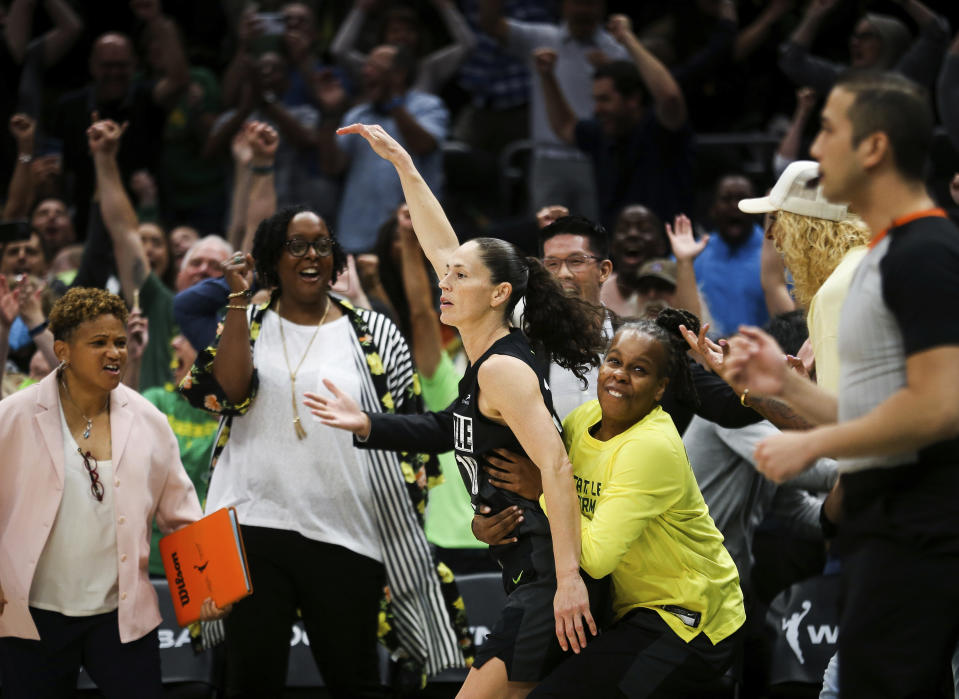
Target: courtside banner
{"x":206,"y":559}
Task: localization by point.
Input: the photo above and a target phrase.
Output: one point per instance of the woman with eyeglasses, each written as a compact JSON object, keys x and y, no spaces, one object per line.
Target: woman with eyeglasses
{"x":325,"y":525}
{"x":87,"y":464}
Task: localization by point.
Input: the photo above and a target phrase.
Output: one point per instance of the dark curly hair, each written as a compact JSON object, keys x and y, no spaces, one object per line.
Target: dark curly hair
{"x":568,"y":329}
{"x":665,"y":329}
{"x":268,"y":245}
{"x":81,"y":304}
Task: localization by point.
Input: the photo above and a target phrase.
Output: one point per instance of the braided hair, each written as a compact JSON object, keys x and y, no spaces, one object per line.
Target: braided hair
{"x":665,"y":329}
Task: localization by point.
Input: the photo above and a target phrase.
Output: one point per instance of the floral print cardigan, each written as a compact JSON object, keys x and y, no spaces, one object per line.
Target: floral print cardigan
{"x":438,"y":635}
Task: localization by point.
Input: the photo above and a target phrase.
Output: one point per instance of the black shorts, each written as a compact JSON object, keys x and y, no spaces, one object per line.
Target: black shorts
{"x":524,"y":635}
{"x":641,"y":657}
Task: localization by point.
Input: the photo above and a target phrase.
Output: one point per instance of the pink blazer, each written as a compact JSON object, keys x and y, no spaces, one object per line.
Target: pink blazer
{"x":149,"y":481}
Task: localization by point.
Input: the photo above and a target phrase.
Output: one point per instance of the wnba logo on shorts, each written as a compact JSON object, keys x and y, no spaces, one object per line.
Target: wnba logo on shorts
{"x":463,"y":433}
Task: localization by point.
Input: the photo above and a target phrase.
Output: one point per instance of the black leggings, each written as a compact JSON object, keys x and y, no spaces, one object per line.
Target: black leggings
{"x":50,"y":667}
{"x":640,"y":657}
{"x":337,"y":592}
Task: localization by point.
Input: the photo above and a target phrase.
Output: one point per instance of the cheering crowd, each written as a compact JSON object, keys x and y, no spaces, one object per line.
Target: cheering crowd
{"x":277,"y":258}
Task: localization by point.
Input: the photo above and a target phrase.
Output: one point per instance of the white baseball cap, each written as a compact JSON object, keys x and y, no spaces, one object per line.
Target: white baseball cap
{"x":797,"y":191}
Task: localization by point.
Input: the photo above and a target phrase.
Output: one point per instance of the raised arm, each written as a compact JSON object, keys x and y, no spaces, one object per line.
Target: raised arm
{"x":492,"y":20}
{"x":233,"y":363}
{"x":343,"y":46}
{"x":756,"y":362}
{"x":427,"y":338}
{"x":21,"y":191}
{"x":753,"y":36}
{"x":242,"y":154}
{"x":686,"y":249}
{"x":788,"y":150}
{"x":668,"y":100}
{"x":9,"y":308}
{"x":433,"y":229}
{"x":562,"y":119}
{"x":922,"y":412}
{"x":262,"y":195}
{"x":443,"y":63}
{"x":510,"y":391}
{"x":772,"y":277}
{"x":67,"y":27}
{"x":947,"y":92}
{"x":174,"y":68}
{"x":115,"y":208}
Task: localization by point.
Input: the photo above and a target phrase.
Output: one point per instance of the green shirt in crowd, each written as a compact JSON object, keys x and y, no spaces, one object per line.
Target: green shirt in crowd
{"x":195,"y":432}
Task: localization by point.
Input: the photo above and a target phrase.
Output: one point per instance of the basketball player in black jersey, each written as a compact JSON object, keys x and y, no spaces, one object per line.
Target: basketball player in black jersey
{"x":503,"y":402}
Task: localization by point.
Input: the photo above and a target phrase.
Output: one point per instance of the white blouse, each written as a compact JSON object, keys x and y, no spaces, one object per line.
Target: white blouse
{"x":318,"y":486}
{"x":77,"y":574}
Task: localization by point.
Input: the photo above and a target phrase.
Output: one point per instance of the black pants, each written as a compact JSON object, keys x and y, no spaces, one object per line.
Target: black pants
{"x":50,"y":667}
{"x":337,"y":592}
{"x":640,"y":657}
{"x":899,"y":542}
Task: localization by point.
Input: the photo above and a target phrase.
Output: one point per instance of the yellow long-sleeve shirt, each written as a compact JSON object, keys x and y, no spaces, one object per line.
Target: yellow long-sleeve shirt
{"x":644,"y":520}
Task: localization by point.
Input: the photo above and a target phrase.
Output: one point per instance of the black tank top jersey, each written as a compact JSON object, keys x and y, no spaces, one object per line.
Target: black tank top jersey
{"x":475,"y":436}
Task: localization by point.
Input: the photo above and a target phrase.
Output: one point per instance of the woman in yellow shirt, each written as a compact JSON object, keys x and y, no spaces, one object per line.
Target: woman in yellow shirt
{"x":677,"y":604}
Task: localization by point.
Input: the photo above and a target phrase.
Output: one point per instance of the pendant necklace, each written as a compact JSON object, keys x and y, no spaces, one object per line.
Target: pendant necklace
{"x":297,"y":425}
{"x":89,"y":421}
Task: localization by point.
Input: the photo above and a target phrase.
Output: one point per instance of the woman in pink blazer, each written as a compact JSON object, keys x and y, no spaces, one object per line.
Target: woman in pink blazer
{"x":85,"y":466}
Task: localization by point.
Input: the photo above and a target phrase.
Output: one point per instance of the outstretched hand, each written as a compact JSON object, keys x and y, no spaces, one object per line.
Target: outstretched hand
{"x":682,"y":241}
{"x":380,"y":141}
{"x":339,"y":411}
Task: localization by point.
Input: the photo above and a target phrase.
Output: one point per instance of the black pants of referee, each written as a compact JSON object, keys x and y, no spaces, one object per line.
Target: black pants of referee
{"x":49,"y":668}
{"x":338,"y":593}
{"x":899,"y":544}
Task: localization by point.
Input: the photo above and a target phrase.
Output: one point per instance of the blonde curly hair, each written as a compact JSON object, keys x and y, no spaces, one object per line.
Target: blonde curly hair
{"x":813,"y":247}
{"x":81,"y":304}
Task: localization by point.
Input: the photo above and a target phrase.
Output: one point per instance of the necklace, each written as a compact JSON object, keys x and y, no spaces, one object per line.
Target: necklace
{"x":297,"y":425}
{"x":66,"y":390}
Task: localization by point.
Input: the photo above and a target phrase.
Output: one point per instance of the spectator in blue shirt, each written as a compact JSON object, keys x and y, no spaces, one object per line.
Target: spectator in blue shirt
{"x":728,"y":269}
{"x":419,"y":121}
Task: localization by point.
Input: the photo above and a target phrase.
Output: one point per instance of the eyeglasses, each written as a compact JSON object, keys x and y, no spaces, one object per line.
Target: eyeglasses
{"x":96,"y":487}
{"x":298,"y":247}
{"x":575,"y":263}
